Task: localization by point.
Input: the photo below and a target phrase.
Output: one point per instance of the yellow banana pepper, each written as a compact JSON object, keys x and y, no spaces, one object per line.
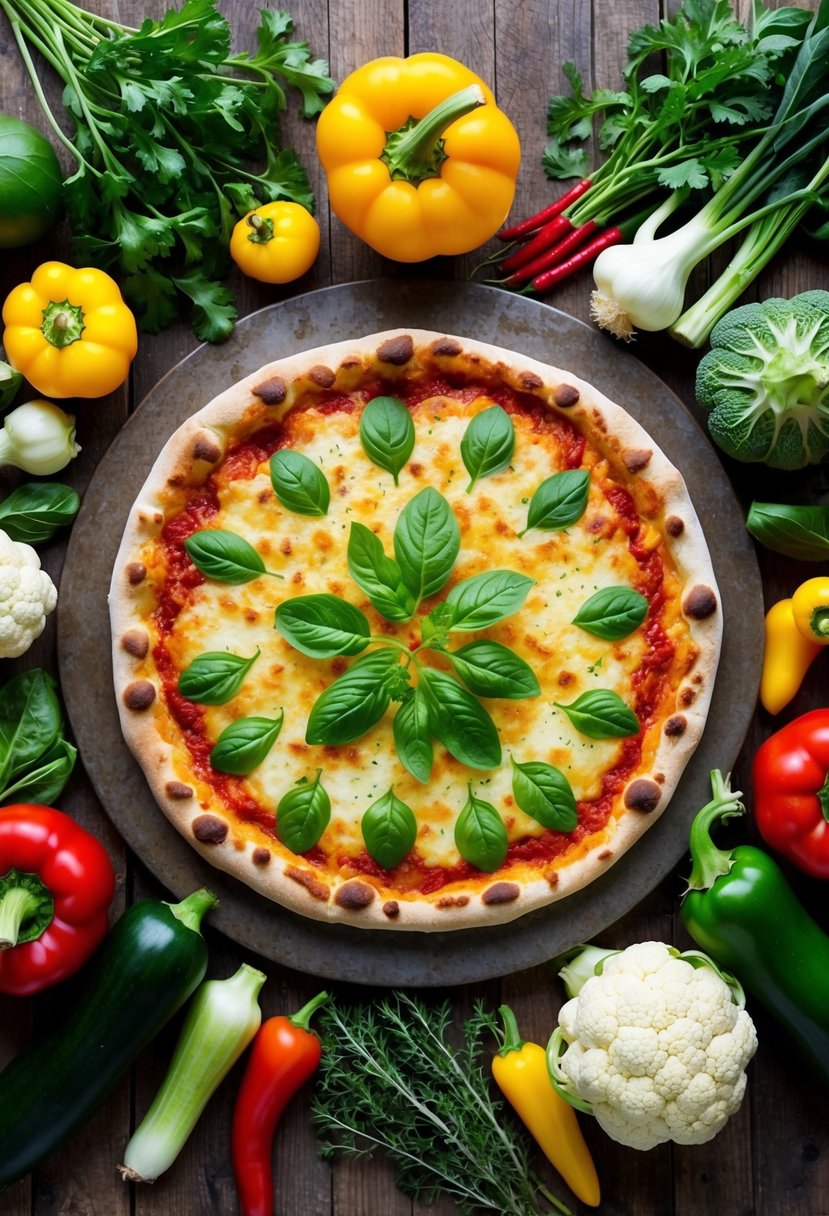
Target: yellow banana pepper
{"x":787,"y":656}
{"x":420,"y":160}
{"x":69,"y":332}
{"x":520,"y":1071}
{"x":810,"y":608}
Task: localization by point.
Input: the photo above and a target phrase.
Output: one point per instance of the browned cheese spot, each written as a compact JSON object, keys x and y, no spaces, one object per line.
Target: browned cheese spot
{"x":501,"y":893}
{"x":415,"y":468}
{"x":642,"y":795}
{"x":391,"y":909}
{"x":272,"y":392}
{"x":178,"y":791}
{"x":659,"y":778}
{"x":354,"y":895}
{"x":565,"y":678}
{"x":315,"y":888}
{"x":636,"y":459}
{"x":700,"y":602}
{"x":565,"y":396}
{"x":209,"y":829}
{"x":205,"y":448}
{"x":396,"y":351}
{"x":687,"y":697}
{"x":321,"y":375}
{"x":136,"y":643}
{"x":675,"y":726}
{"x":260,"y":856}
{"x":139,"y":695}
{"x":674,"y":526}
{"x":446,"y":346}
{"x":136,"y":573}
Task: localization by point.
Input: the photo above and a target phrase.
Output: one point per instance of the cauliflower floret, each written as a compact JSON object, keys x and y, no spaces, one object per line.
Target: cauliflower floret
{"x":27,"y":596}
{"x":657,"y":1046}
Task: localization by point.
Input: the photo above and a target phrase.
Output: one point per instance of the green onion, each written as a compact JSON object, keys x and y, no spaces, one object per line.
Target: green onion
{"x":223,"y":1018}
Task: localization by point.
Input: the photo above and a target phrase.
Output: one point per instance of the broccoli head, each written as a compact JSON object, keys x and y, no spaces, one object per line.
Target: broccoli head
{"x":765,"y":381}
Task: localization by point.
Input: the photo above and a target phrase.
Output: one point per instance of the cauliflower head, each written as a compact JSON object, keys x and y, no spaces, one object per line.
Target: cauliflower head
{"x":27,"y":596}
{"x":656,"y":1046}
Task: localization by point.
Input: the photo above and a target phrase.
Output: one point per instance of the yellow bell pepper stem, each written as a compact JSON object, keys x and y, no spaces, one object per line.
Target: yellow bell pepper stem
{"x":787,"y":657}
{"x":810,"y":608}
{"x":520,"y":1071}
{"x":416,"y":151}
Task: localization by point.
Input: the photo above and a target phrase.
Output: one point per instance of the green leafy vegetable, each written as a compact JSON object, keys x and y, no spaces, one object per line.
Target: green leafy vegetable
{"x":545,"y":794}
{"x":559,"y":501}
{"x":355,"y":701}
{"x":225,"y":557}
{"x":378,"y":575}
{"x":480,"y":835}
{"x":244,"y":744}
{"x":387,"y":434}
{"x":35,"y":758}
{"x":427,"y":540}
{"x":413,"y":736}
{"x":612,"y":613}
{"x":798,"y":532}
{"x":10,"y":382}
{"x":459,"y":721}
{"x":214,"y":677}
{"x":33,"y":512}
{"x":485,"y":599}
{"x":45,"y":780}
{"x":601,"y":714}
{"x":298,"y":483}
{"x":490,"y":669}
{"x":389,"y":830}
{"x":322,"y":626}
{"x":303,"y":814}
{"x":488,"y":443}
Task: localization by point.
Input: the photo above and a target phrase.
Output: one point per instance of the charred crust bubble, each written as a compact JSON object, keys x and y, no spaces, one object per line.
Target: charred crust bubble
{"x":178,"y":791}
{"x":315,"y":888}
{"x":396,"y":351}
{"x":322,"y":376}
{"x":136,"y":573}
{"x":354,"y":895}
{"x":136,"y":643}
{"x":674,"y":526}
{"x":565,"y":396}
{"x":642,"y":795}
{"x":501,"y":893}
{"x":260,"y":856}
{"x":139,"y":695}
{"x":605,"y":855}
{"x":209,"y":829}
{"x":700,"y":603}
{"x":530,"y":381}
{"x":391,"y":909}
{"x":272,"y":392}
{"x":636,"y":459}
{"x":206,"y":449}
{"x":447,"y":346}
{"x":675,"y":726}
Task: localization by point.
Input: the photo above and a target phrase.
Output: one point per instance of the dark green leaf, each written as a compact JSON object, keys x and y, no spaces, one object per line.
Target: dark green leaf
{"x":10,"y":382}
{"x":303,"y":815}
{"x":322,"y":626}
{"x":389,"y":830}
{"x":214,"y":677}
{"x":45,"y":780}
{"x":559,"y":501}
{"x":355,"y":701}
{"x":33,"y":512}
{"x":413,"y":736}
{"x":387,"y":434}
{"x":460,"y":722}
{"x":491,"y":670}
{"x":545,"y":794}
{"x":244,"y":744}
{"x":426,"y":542}
{"x":798,"y":532}
{"x":485,"y":599}
{"x":30,"y":722}
{"x":488,"y":443}
{"x":214,"y":308}
{"x":378,"y":575}
{"x":298,"y":483}
{"x":612,"y":613}
{"x":601,"y":714}
{"x":480,"y":834}
{"x":224,"y":556}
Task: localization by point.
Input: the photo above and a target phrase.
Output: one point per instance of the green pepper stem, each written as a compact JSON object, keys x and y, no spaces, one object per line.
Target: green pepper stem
{"x":709,"y":862}
{"x":15,"y":906}
{"x":24,"y":900}
{"x":819,"y":624}
{"x":302,"y":1017}
{"x":512,"y":1040}
{"x":63,"y":323}
{"x":191,"y":910}
{"x":415,"y":152}
{"x":261,"y":231}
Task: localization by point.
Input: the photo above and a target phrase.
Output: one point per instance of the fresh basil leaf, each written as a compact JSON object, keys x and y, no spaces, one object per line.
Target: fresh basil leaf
{"x":460,"y":722}
{"x":413,"y":736}
{"x":298,"y":483}
{"x":355,"y":701}
{"x":45,"y":780}
{"x":480,"y":834}
{"x":491,"y":670}
{"x":214,"y":677}
{"x":224,"y":556}
{"x":488,"y":443}
{"x":545,"y":794}
{"x":30,"y":722}
{"x":601,"y":714}
{"x":798,"y":532}
{"x":378,"y":575}
{"x":389,"y":830}
{"x":559,"y":501}
{"x":244,"y":744}
{"x":387,"y":434}
{"x":612,"y":613}
{"x":303,"y":814}
{"x":426,"y":542}
{"x":485,"y":599}
{"x":322,"y":626}
{"x":33,"y":512}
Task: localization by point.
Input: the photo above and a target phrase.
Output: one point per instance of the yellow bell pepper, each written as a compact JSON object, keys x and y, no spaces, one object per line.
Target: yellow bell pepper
{"x":810,"y":608}
{"x":787,"y":656}
{"x":520,"y":1072}
{"x":69,"y":332}
{"x":420,"y":160}
{"x":276,"y":243}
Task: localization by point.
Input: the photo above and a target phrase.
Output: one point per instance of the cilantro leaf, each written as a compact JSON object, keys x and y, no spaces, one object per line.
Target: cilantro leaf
{"x":686,"y":173}
{"x":153,"y":298}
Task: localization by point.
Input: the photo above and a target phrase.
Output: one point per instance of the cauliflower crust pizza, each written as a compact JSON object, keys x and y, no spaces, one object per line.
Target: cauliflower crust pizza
{"x":413,"y":632}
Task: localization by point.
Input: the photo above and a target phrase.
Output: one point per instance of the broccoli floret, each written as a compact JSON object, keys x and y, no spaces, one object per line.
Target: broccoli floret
{"x":765,"y":381}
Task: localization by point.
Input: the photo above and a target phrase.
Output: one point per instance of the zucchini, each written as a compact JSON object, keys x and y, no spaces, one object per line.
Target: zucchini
{"x":148,"y":966}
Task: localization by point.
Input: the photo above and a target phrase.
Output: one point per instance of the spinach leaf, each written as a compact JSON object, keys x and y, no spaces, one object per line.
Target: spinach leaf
{"x":488,"y":443}
{"x":30,"y":722}
{"x":389,"y":830}
{"x":355,"y":701}
{"x":480,"y":834}
{"x":559,"y":501}
{"x":601,"y":714}
{"x":303,"y":814}
{"x":426,"y":542}
{"x":322,"y":626}
{"x":244,"y":744}
{"x":798,"y":532}
{"x":485,"y":599}
{"x":378,"y":575}
{"x":34,"y":511}
{"x":224,"y":556}
{"x":491,"y":670}
{"x":413,"y":736}
{"x":612,"y":613}
{"x":387,"y":434}
{"x":44,"y":780}
{"x":298,"y":483}
{"x":545,"y":794}
{"x":460,"y":722}
{"x":214,"y":677}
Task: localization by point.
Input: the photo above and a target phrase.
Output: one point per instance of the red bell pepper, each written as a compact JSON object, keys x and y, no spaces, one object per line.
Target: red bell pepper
{"x":56,"y":883}
{"x":791,"y":792}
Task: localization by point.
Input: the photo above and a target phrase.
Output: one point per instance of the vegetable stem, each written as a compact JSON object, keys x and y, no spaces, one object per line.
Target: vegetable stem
{"x":709,"y":862}
{"x":191,"y":910}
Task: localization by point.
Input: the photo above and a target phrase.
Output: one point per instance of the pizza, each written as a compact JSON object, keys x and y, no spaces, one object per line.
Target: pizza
{"x":413,"y":632}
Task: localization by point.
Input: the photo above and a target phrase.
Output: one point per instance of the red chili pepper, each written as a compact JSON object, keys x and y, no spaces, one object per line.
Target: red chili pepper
{"x":551,"y":257}
{"x":582,"y":257}
{"x":791,"y":791}
{"x":534,"y":222}
{"x":284,"y":1054}
{"x":543,"y":239}
{"x":56,"y":883}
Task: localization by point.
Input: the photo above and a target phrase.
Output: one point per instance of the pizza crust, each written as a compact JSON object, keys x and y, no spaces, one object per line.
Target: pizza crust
{"x":187,"y":460}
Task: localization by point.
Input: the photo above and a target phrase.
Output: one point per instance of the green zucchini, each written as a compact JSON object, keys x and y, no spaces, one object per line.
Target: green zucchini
{"x":150,"y":963}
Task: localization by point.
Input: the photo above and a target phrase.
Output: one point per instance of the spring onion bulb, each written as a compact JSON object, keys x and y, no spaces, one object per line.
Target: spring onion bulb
{"x":223,"y":1019}
{"x":39,"y":438}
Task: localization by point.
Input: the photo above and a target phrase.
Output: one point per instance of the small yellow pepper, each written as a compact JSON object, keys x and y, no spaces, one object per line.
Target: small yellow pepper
{"x":420,"y":160}
{"x":520,"y":1071}
{"x":69,"y":332}
{"x":810,"y":608}
{"x":787,"y":657}
{"x":276,"y":243}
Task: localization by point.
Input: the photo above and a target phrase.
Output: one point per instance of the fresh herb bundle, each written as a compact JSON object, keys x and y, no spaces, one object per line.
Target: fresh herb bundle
{"x":390,"y":1080}
{"x":170,"y":131}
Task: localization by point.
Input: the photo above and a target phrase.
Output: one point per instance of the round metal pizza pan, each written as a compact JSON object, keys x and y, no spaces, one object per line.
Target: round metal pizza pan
{"x":385,"y":957}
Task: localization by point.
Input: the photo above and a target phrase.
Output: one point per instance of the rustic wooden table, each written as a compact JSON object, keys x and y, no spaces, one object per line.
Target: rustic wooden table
{"x":773,"y":1157}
